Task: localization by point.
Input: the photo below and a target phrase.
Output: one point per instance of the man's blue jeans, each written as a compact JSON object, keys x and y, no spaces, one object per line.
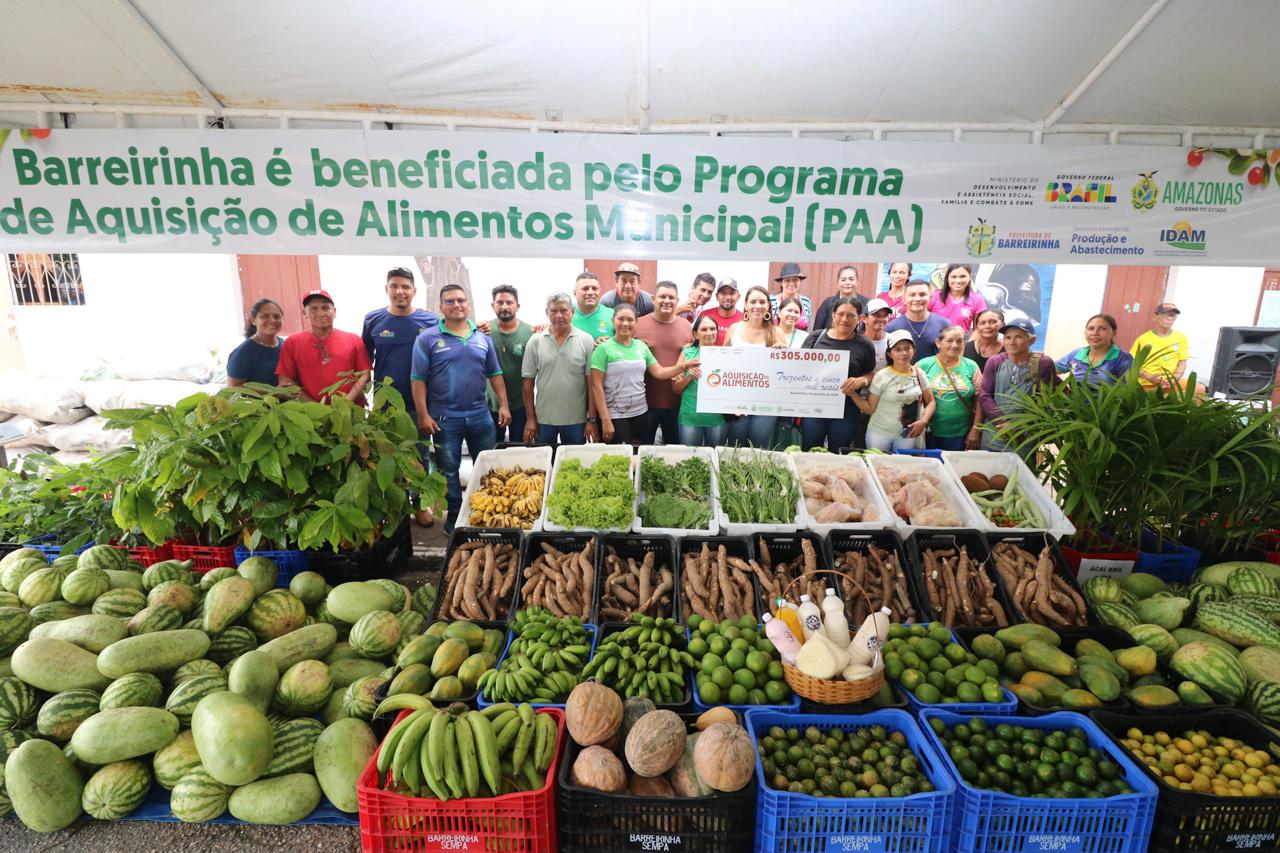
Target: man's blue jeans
{"x":479,"y":432}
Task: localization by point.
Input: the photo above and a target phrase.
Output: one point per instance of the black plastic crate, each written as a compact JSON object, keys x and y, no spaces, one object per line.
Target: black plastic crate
{"x":899,"y":701}
{"x":924,"y":540}
{"x":684,"y":706}
{"x":387,"y":556}
{"x":842,"y":541}
{"x":734,"y":546}
{"x":1190,"y":821}
{"x":1033,"y":543}
{"x":564,"y":542}
{"x":636,"y":546}
{"x":591,"y":820}
{"x":465,"y":535}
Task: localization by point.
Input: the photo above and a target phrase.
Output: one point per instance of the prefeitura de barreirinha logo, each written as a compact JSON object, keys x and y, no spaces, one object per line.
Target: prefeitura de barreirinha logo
{"x":981,"y":239}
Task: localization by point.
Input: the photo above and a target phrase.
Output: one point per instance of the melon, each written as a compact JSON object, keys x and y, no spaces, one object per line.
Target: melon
{"x":725,"y":757}
{"x":592,"y":714}
{"x":655,"y":743}
{"x":599,"y":769}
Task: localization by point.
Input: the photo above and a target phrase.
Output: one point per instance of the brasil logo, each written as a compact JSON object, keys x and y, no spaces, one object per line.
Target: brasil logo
{"x":1183,"y":236}
{"x":1145,"y":193}
{"x":981,"y":239}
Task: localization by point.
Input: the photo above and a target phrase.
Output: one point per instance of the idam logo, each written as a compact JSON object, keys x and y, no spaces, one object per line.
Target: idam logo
{"x":714,"y":379}
{"x":1183,"y":236}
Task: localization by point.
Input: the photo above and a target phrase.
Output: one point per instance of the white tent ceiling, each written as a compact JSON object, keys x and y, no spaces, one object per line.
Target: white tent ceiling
{"x":1010,"y":70}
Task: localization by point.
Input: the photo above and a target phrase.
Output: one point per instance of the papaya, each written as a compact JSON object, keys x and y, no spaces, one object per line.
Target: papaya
{"x":1154,"y":678}
{"x":1108,"y":663}
{"x":1015,"y":665}
{"x":436,"y":629}
{"x":449,"y":657}
{"x":448,"y":687}
{"x":1027,"y":694}
{"x":1100,"y":681}
{"x":1017,"y":636}
{"x":1079,"y":700}
{"x":419,"y":650}
{"x":1193,"y":694}
{"x":1167,"y":612}
{"x":1153,"y":696}
{"x":469,"y":632}
{"x":494,"y":642}
{"x":1047,"y":658}
{"x":1090,"y":646}
{"x":987,"y":646}
{"x":473,"y":667}
{"x":1142,"y":585}
{"x":1137,"y":661}
{"x":414,"y":678}
{"x":1050,"y":688}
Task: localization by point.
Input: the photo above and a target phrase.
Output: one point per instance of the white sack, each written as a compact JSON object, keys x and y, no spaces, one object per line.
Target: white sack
{"x":89,"y":434}
{"x":45,"y":398}
{"x":119,"y":394}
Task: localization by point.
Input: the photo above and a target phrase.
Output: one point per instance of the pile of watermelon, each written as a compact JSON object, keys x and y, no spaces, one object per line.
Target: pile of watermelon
{"x":232,"y":694}
{"x":1221,"y":631}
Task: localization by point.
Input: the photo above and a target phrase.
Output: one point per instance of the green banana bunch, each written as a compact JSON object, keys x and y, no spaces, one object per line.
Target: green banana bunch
{"x":543,"y":662}
{"x":645,"y":659}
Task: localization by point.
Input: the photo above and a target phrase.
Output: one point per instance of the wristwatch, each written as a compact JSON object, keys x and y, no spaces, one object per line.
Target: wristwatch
{"x":593,"y":420}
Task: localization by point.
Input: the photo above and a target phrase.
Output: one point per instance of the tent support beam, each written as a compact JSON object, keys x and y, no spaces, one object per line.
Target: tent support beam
{"x":206,"y":96}
{"x":1104,"y":63}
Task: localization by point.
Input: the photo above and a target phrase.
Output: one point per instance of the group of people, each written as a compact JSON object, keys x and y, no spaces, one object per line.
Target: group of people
{"x":926,"y":368}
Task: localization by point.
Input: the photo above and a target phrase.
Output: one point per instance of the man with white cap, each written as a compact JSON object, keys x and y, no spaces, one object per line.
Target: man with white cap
{"x":1007,"y":376}
{"x":726,"y":312}
{"x":626,"y":291}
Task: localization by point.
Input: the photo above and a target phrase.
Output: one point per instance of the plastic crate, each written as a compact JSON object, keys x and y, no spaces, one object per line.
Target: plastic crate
{"x":636,"y":546}
{"x":148,"y":556}
{"x":683,"y":706}
{"x":516,"y":823}
{"x":989,"y":464}
{"x":588,"y":455}
{"x":1190,"y":821}
{"x":699,"y":706}
{"x":868,"y":491}
{"x":463,"y":535}
{"x":592,"y":632}
{"x":1033,"y":543}
{"x":1166,"y":560}
{"x":288,"y":563}
{"x":783,"y":548}
{"x":469,"y":699}
{"x":1006,"y":708}
{"x":386,"y":556}
{"x":742,"y":547}
{"x":994,"y":822}
{"x":47,"y":546}
{"x":673,"y":454}
{"x":924,"y":540}
{"x":922,"y":452}
{"x":507,"y":457}
{"x":592,"y":821}
{"x":920,"y":823}
{"x":945,"y":481}
{"x":1114,"y":562}
{"x":565,"y":543}
{"x":841,"y":541}
{"x":155,"y":808}
{"x":734,"y":528}
{"x":205,"y":558}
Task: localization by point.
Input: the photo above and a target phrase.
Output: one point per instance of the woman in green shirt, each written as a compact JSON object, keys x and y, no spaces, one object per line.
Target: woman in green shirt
{"x":618,"y":368}
{"x":954,"y":381}
{"x":697,"y":429}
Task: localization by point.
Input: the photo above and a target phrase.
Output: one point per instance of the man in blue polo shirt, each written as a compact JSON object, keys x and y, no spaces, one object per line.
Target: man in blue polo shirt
{"x":452,"y":361}
{"x":389,"y":334}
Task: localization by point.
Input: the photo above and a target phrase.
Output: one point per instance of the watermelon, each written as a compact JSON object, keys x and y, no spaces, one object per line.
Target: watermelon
{"x":1260,"y":663}
{"x":1199,"y":593}
{"x":135,"y":690}
{"x":359,"y":699}
{"x":1155,"y":637}
{"x":9,"y":599}
{"x":55,"y":611}
{"x":261,"y":571}
{"x":1219,"y":572}
{"x":231,"y":643}
{"x":175,"y":760}
{"x":1099,"y":589}
{"x":41,"y":586}
{"x":211,"y":577}
{"x":116,"y":789}
{"x":19,"y":703}
{"x":16,"y":572}
{"x":1236,"y":625}
{"x":1263,"y":701}
{"x":1263,"y":605}
{"x":175,"y":593}
{"x":412,"y":623}
{"x":376,"y":634}
{"x":275,"y":614}
{"x":15,"y":624}
{"x":228,"y":600}
{"x":424,"y":599}
{"x":166,"y":570}
{"x":65,"y":564}
{"x":400,"y":598}
{"x":1191,"y":635}
{"x":21,"y":554}
{"x":157,"y":617}
{"x":309,"y":588}
{"x":123,"y":603}
{"x":84,"y":585}
{"x":1249,"y":581}
{"x":193,"y":669}
{"x":1211,"y":668}
{"x":1119,"y":615}
{"x":303,"y":688}
{"x":62,"y":713}
{"x":325,"y":617}
{"x":294,"y":744}
{"x":184,"y":698}
{"x":198,"y":797}
{"x":103,"y":557}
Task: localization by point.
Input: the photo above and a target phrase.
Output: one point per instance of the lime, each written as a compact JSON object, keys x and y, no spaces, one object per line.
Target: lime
{"x":912,"y":678}
{"x":697,"y":647}
{"x":928,"y":694}
{"x":735,"y":659}
{"x":937,"y":679}
{"x":991,"y":692}
{"x":750,"y":637}
{"x":722,"y":676}
{"x":742,"y":645}
{"x":928,"y":649}
{"x":764,"y":644}
{"x":910,"y":660}
{"x":893,"y":668}
{"x":694,"y":621}
{"x":745,"y":677}
{"x":774,"y":670}
{"x":975,"y":674}
{"x":954,"y":653}
{"x":718,"y":644}
{"x":939,"y":664}
{"x":757,"y":662}
{"x":896,"y":630}
{"x":917,"y":630}
{"x":747,"y":623}
{"x":738,"y":695}
{"x":710,"y":662}
{"x":777,"y":692}
{"x":990,"y":667}
{"x":707,"y":628}
{"x":709,"y":693}
{"x":756,"y":696}
{"x":939,"y":633}
{"x":967,"y":692}
{"x":730,"y":631}
{"x":954,"y":677}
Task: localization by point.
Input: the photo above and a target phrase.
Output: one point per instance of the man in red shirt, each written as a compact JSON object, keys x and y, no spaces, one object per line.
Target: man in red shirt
{"x":324,"y":356}
{"x":726,"y":312}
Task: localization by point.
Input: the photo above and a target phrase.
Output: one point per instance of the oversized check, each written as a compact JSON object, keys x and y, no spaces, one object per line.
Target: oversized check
{"x":769,"y":381}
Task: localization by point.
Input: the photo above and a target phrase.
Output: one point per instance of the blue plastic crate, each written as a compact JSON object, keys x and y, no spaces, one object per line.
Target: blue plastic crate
{"x":920,"y":823}
{"x":46,"y":545}
{"x":993,"y":822}
{"x":156,"y":808}
{"x":511,"y":638}
{"x":1166,"y":560}
{"x":793,"y":705}
{"x":931,"y":454}
{"x":289,"y":563}
{"x":1007,"y":708}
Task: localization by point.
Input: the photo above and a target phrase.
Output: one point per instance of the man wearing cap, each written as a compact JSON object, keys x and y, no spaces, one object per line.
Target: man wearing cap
{"x":874,"y":319}
{"x":704,"y":284}
{"x":789,"y":278}
{"x":1009,"y":374}
{"x":846,"y":285}
{"x":666,"y":334}
{"x":588,"y":314}
{"x":389,"y":334}
{"x":1168,"y":350}
{"x":452,"y":363}
{"x":626,"y":291}
{"x":323,"y":357}
{"x":726,"y":312}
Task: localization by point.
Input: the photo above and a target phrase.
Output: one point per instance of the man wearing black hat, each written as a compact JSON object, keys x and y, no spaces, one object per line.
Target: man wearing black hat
{"x":789,"y":278}
{"x":626,"y":291}
{"x":1007,"y":376}
{"x":1167,"y":349}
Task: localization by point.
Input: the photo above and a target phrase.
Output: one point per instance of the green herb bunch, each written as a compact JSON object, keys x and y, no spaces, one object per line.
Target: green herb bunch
{"x":593,"y":497}
{"x":675,"y":496}
{"x":755,"y":489}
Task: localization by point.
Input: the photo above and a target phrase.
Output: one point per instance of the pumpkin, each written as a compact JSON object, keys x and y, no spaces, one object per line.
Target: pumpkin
{"x":718,"y":714}
{"x":655,"y":743}
{"x":599,"y":769}
{"x":683,"y":777}
{"x":643,"y":786}
{"x":592,"y":714}
{"x":725,"y":757}
{"x":633,"y":709}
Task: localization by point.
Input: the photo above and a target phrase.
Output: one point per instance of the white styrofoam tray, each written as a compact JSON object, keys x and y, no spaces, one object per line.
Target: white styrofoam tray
{"x":672,"y":454}
{"x":868,"y":491}
{"x":946,"y":482}
{"x":990,"y":464}
{"x":588,"y":454}
{"x":749,"y":529}
{"x":487,"y":460}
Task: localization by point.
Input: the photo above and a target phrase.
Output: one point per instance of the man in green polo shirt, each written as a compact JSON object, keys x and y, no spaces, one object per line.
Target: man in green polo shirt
{"x":510,"y":335}
{"x":556,"y":365}
{"x":589,"y":315}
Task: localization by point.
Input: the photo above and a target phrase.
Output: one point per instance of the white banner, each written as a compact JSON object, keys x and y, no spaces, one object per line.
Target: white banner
{"x":772,"y":381}
{"x":670,"y":197}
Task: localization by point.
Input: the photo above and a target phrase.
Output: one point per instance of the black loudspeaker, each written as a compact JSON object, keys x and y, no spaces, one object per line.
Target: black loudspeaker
{"x":1246,"y":361}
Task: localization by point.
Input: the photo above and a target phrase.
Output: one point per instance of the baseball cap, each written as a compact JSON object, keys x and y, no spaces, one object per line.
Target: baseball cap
{"x":898,"y":336}
{"x":1167,"y":308}
{"x":317,"y":294}
{"x":727,"y":283}
{"x":628,"y":267}
{"x":1020,"y":323}
{"x":875,"y":306}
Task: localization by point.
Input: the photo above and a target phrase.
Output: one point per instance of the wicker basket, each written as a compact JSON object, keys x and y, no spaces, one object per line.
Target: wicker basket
{"x":836,"y":691}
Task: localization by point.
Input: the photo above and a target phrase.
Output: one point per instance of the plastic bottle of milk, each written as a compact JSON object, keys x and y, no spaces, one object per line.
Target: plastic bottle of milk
{"x":810,"y":617}
{"x":782,"y":638}
{"x":791,"y":617}
{"x":870,"y":637}
{"x":833,"y":619}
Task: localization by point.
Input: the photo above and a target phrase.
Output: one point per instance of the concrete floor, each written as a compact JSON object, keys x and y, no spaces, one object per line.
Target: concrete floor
{"x":132,"y":836}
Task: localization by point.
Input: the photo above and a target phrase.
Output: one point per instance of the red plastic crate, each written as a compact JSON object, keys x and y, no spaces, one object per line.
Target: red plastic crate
{"x":149,"y":556}
{"x":205,"y":557}
{"x":514,"y":823}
